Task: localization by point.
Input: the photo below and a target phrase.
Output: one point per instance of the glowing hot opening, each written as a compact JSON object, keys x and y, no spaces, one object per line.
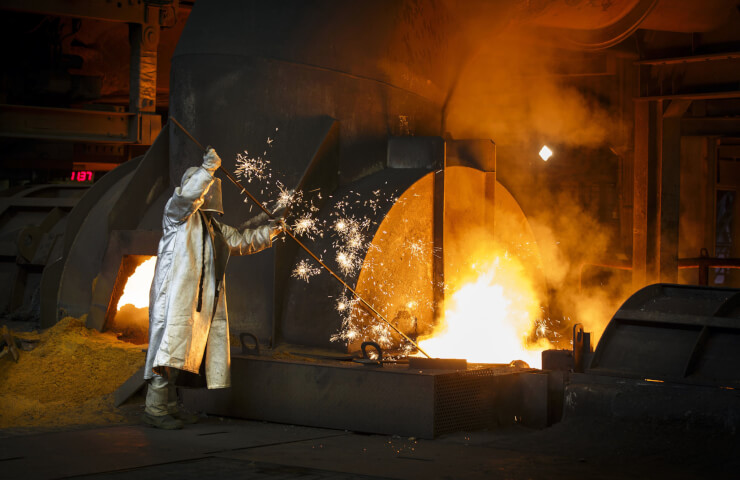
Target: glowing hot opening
{"x":136,"y":290}
{"x":495,"y":318}
{"x":131,"y":319}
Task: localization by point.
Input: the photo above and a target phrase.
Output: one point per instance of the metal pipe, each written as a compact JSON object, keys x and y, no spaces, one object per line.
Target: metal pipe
{"x":601,"y":265}
{"x":704,"y":262}
{"x":304,"y":247}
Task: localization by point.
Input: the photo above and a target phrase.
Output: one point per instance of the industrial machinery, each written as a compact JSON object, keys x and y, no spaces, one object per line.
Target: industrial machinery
{"x":285,"y":84}
{"x":670,"y":354}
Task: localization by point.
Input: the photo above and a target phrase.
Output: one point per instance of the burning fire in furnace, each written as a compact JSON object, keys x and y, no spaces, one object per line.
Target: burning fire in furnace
{"x":494,"y":318}
{"x":131,"y":319}
{"x":136,"y":291}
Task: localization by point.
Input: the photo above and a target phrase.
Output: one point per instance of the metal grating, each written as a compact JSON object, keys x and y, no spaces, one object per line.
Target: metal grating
{"x":463,"y":401}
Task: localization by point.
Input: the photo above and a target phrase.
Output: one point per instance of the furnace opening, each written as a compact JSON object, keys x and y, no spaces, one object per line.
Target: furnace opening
{"x":128,"y":311}
{"x":494,"y":290}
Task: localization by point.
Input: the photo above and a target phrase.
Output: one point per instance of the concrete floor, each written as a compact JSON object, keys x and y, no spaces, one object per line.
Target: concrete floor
{"x":228,"y":448}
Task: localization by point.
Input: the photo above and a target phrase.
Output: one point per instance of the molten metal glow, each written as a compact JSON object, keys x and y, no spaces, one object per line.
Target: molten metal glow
{"x":491,"y":320}
{"x":545,"y":153}
{"x":136,"y":291}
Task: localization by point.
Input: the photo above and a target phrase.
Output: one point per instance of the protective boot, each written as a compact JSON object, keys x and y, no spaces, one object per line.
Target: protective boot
{"x":165,"y":422}
{"x":161,"y":401}
{"x":184,"y":416}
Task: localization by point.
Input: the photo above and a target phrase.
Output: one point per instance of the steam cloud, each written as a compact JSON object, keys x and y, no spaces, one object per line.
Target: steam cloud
{"x":513,"y":91}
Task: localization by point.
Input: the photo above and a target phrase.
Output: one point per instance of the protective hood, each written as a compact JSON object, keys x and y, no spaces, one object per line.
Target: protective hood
{"x":212,"y":200}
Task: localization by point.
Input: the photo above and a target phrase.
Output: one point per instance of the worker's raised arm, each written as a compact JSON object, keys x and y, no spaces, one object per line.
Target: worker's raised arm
{"x":251,"y":240}
{"x":196,"y":181}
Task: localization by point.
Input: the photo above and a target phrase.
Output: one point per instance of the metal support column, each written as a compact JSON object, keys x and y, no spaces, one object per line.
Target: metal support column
{"x":642,"y":154}
{"x":670,"y":185}
{"x":438,"y":263}
{"x":144,"y":40}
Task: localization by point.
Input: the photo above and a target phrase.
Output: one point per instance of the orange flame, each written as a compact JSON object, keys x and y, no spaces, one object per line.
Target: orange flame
{"x":136,"y":291}
{"x":491,"y":319}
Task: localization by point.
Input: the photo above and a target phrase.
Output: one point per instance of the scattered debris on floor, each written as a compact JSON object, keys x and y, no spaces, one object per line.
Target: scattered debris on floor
{"x":67,"y":379}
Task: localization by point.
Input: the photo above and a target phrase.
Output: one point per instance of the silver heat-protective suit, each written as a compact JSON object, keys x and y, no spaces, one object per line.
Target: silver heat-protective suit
{"x":187,"y":301}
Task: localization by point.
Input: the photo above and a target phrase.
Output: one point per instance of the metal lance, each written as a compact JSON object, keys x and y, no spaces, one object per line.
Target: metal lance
{"x":304,"y":247}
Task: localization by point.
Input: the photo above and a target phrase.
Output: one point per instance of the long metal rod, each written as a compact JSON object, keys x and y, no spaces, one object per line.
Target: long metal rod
{"x":287,"y":230}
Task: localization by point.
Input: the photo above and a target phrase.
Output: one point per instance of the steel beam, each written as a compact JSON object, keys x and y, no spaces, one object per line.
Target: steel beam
{"x":438,"y":261}
{"x":670,"y":189}
{"x":705,"y":126}
{"x":143,"y":39}
{"x":126,"y":11}
{"x":641,"y":197}
{"x":20,"y":121}
{"x":657,"y":170}
{"x":692,"y":96}
{"x":692,"y":59}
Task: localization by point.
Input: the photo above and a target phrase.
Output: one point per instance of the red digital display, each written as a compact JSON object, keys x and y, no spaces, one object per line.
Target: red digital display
{"x":82,"y":176}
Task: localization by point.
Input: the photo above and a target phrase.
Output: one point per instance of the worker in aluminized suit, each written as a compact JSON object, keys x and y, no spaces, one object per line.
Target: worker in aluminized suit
{"x":188,"y":326}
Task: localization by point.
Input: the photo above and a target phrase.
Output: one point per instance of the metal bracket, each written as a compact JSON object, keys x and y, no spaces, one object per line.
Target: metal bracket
{"x":249,"y":350}
{"x":366,"y":360}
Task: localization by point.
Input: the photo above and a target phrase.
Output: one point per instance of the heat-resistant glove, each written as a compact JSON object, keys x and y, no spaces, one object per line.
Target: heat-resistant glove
{"x":211,"y":161}
{"x":277,"y":226}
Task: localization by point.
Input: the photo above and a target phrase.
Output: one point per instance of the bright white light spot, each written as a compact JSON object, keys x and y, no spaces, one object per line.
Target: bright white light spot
{"x":545,"y":153}
{"x":136,"y":290}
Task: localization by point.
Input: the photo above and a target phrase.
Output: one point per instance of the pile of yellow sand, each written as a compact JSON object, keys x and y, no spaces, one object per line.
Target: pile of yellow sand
{"x":68,"y":379}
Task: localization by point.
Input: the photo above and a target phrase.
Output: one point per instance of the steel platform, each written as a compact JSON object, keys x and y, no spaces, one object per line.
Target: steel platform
{"x":392,"y":399}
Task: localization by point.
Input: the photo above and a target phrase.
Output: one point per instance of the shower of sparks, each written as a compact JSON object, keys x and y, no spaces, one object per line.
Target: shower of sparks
{"x":252,"y":168}
{"x":345,"y":304}
{"x":350,"y":223}
{"x":352,"y":234}
{"x":383,"y":334}
{"x":348,"y":262}
{"x":351,"y":241}
{"x":541,"y":329}
{"x":416,"y":249}
{"x":341,"y":306}
{"x":305,"y":225}
{"x":287,"y":197}
{"x":340,"y":225}
{"x":304,"y":270}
